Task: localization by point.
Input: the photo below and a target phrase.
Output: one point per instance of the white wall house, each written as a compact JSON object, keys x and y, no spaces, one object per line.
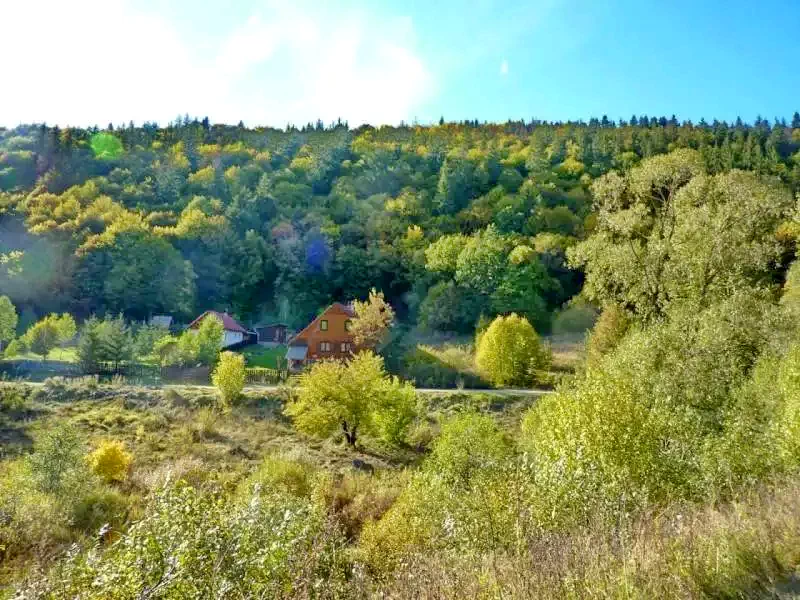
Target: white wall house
{"x":231,"y":338}
{"x":234,"y":332}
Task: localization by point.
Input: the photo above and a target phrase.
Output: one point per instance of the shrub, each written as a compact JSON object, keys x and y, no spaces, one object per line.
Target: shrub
{"x":191,"y":544}
{"x":609,"y":330}
{"x":13,"y":398}
{"x":166,"y":349}
{"x":31,"y":519}
{"x":460,"y":500}
{"x":110,"y":461}
{"x":746,"y":549}
{"x":57,"y":461}
{"x":396,"y":412}
{"x":45,"y":335}
{"x":429,"y":370}
{"x":651,"y":422}
{"x":99,"y":508}
{"x":8,"y":319}
{"x":356,"y":499}
{"x":229,"y":377}
{"x":209,"y":337}
{"x":510,"y":352}
{"x":467,"y":444}
{"x":282,"y":474}
{"x":16,"y":347}
{"x":205,"y":423}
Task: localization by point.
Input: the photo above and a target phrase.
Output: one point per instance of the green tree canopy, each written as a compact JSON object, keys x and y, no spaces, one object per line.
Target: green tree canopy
{"x":668,"y":231}
{"x":353,"y":398}
{"x":48,"y":333}
{"x":8,"y":319}
{"x":509,"y":352}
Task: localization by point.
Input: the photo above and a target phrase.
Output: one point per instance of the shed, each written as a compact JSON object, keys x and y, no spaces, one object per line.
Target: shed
{"x":276,"y":333}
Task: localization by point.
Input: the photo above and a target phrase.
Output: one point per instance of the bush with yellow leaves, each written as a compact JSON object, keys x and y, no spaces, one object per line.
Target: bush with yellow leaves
{"x":229,"y":377}
{"x":110,"y":461}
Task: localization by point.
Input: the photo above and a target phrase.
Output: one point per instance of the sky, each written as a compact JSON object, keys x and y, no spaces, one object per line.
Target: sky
{"x":273,"y":62}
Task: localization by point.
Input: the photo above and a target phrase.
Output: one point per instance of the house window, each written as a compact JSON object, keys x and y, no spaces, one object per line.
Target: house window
{"x":324,"y":346}
{"x":347,"y":346}
{"x":323,"y":325}
{"x":347,"y":325}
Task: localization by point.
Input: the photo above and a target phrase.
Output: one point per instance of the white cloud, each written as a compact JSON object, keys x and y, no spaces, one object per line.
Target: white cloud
{"x":504,"y":67}
{"x":105,"y":60}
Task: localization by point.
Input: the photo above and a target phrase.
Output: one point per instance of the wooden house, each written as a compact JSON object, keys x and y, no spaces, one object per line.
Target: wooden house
{"x":327,"y":336}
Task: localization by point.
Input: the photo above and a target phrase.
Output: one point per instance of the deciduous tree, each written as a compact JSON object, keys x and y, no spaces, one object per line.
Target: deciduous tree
{"x":373,"y":319}
{"x":510,"y":352}
{"x":353,"y":398}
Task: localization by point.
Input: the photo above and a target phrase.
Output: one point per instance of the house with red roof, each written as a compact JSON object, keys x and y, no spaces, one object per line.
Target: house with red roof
{"x":235,"y":333}
{"x":327,"y":336}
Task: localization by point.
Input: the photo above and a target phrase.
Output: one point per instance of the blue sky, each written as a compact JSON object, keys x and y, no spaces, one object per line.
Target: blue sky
{"x":278,"y":61}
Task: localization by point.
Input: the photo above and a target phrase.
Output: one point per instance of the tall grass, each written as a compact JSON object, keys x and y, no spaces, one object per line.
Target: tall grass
{"x":748,"y":548}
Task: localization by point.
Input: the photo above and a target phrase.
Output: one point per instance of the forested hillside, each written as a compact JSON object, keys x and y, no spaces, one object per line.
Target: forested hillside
{"x":665,"y":464}
{"x":452,"y":222}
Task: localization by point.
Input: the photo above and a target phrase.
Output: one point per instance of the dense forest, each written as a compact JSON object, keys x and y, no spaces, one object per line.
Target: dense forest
{"x":452,"y":222}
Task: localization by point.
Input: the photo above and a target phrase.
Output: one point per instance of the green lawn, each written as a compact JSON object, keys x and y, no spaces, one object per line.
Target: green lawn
{"x":260,"y":356}
{"x":62,"y":354}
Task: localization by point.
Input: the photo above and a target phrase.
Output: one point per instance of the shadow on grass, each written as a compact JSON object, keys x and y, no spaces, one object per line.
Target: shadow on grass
{"x":428,"y":369}
{"x":14,"y":440}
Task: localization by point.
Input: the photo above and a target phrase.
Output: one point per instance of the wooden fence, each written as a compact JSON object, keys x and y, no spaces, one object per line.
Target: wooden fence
{"x":259,"y":375}
{"x":148,"y":374}
{"x":37,"y":370}
{"x":132,"y":372}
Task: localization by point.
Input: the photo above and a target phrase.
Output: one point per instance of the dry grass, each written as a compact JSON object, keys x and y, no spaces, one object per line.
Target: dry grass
{"x":746,"y":549}
{"x":568,"y":351}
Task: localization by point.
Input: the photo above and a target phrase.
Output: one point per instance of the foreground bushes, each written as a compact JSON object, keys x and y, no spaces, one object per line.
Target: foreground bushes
{"x":194,"y":545}
{"x":749,"y":548}
{"x":630,"y":481}
{"x":690,"y":409}
{"x":460,"y":499}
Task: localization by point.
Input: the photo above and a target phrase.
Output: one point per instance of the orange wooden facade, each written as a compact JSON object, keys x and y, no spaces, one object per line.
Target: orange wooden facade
{"x":328,"y":335}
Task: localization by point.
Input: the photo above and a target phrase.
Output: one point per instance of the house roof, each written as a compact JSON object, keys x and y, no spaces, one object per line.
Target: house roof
{"x":345,"y":309}
{"x":296,"y":353}
{"x":333,"y":309}
{"x":272,"y":325}
{"x":161,"y":321}
{"x":228,"y":322}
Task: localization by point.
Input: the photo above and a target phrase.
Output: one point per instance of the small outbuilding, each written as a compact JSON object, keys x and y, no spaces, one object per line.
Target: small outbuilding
{"x":275,"y":333}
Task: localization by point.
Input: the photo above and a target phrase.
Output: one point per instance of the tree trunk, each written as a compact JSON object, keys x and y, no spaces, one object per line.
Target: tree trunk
{"x":349,"y":435}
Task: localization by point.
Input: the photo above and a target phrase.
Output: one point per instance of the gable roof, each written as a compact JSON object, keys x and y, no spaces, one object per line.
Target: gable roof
{"x":337,"y":308}
{"x":228,"y":322}
{"x":161,"y":321}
